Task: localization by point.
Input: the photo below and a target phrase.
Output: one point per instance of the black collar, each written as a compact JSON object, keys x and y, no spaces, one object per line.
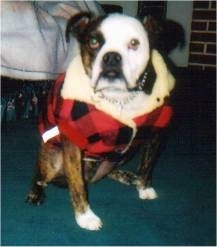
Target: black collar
{"x":147,"y":79}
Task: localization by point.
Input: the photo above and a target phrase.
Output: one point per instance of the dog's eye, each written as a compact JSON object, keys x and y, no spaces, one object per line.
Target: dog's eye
{"x":134,"y":43}
{"x":93,"y":43}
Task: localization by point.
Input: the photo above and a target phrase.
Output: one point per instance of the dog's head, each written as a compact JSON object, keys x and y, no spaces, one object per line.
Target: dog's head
{"x":115,"y":50}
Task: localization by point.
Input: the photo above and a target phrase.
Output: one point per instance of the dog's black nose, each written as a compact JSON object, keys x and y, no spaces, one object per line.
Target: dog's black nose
{"x":111,"y":66}
{"x":112,"y":59}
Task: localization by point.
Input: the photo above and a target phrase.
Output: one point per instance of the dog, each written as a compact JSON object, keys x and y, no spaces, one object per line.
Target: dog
{"x":111,"y":101}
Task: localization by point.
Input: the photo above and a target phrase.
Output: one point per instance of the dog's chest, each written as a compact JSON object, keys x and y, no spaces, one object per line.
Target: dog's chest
{"x":99,"y":134}
{"x":95,"y":132}
{"x":122,"y":105}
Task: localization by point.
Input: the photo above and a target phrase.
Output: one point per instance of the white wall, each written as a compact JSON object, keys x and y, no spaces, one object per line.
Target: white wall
{"x":179,"y":11}
{"x":129,"y":7}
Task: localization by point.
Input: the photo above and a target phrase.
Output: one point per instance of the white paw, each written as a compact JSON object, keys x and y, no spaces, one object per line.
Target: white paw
{"x":147,"y":193}
{"x":89,"y":220}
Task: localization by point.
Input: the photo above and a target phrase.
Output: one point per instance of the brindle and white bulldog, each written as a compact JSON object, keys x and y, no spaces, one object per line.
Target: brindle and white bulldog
{"x":110,"y":102}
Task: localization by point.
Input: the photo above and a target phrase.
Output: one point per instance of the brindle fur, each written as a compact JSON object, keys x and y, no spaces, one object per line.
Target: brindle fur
{"x":56,"y":161}
{"x":143,"y":177}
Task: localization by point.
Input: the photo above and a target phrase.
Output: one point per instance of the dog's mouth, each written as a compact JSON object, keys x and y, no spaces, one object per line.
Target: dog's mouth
{"x":111,"y":80}
{"x":112,"y":74}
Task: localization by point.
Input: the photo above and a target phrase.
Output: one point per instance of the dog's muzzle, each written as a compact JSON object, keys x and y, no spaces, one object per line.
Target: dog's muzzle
{"x":112,"y":66}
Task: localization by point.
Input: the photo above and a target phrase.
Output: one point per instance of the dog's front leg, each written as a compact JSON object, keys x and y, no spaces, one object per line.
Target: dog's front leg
{"x":150,"y":154}
{"x":73,"y":169}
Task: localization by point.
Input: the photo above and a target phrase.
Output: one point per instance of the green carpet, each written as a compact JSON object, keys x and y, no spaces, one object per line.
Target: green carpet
{"x":185,"y":179}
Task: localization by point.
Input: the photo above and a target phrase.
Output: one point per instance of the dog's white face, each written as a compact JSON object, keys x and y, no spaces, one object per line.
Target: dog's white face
{"x":115,"y":52}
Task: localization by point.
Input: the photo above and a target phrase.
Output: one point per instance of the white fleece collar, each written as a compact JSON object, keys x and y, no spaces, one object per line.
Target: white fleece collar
{"x":124,"y":106}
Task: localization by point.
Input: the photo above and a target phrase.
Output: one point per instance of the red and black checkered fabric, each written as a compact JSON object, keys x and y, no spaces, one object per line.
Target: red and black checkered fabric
{"x":95,"y":132}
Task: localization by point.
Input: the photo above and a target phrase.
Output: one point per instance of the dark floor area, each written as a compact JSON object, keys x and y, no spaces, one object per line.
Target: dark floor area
{"x":185,"y":179}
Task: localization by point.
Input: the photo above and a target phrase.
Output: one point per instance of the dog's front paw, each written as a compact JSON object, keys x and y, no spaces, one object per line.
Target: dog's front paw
{"x":89,"y":220}
{"x":35,"y":198}
{"x":147,"y":193}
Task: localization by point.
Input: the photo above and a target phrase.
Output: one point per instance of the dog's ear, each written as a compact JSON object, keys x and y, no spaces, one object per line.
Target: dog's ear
{"x":77,"y":25}
{"x":154,"y":29}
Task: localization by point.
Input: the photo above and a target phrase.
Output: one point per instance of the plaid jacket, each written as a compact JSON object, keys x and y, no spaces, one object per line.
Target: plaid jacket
{"x":98,"y":134}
